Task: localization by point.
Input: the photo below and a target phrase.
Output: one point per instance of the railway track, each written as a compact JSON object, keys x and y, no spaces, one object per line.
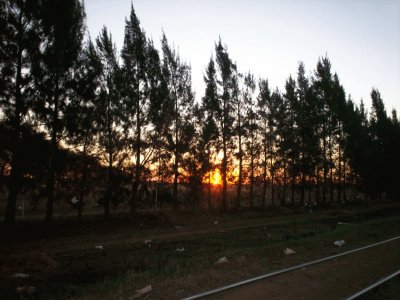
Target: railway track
{"x":218,"y":292}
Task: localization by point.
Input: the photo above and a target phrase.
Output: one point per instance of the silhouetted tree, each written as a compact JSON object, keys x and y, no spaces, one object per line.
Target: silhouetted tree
{"x":108,"y":110}
{"x":207,"y":116}
{"x":19,"y":38}
{"x":136,"y":100}
{"x":250,"y":127}
{"x":62,"y":25}
{"x":178,"y":80}
{"x":80,"y":113}
{"x":263,"y":99}
{"x":227,"y":83}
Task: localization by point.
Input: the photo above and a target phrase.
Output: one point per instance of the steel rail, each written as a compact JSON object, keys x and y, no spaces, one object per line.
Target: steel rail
{"x":372,"y":286}
{"x":271,"y":274}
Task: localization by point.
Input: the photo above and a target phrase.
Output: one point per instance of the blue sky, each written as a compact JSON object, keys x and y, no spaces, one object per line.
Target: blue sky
{"x":269,"y":38}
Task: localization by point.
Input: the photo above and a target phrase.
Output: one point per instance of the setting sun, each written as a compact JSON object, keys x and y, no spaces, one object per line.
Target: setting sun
{"x":216,"y":177}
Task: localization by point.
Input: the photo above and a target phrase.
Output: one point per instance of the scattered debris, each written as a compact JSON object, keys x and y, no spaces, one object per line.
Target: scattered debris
{"x":216,"y":222}
{"x":20,"y":275}
{"x":142,"y":291}
{"x":147,"y":243}
{"x":180,"y":249}
{"x":74,"y":200}
{"x":178,"y":227}
{"x":289,"y":251}
{"x":221,"y":260}
{"x":27,"y":290}
{"x":99,"y":247}
{"x":339,"y":243}
{"x":342,"y":223}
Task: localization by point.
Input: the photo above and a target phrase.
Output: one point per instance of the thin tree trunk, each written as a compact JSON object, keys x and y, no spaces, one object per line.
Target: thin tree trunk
{"x":136,"y":182}
{"x":224,"y":179}
{"x":264,"y":195}
{"x":15,"y":173}
{"x":209,"y":190}
{"x":339,"y":196}
{"x":176,"y":174}
{"x":272,"y":181}
{"x":251,"y":178}
{"x":330,"y":162}
{"x":83,"y":181}
{"x":325,"y":165}
{"x":240,"y":177}
{"x":344,"y":181}
{"x":284,"y":182}
{"x":52,"y":160}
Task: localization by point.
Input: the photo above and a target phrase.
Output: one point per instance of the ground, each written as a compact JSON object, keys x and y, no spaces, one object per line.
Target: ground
{"x":63,"y":263}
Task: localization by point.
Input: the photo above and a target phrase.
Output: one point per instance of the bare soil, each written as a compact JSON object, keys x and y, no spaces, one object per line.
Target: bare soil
{"x":335,"y":279}
{"x":62,"y":259}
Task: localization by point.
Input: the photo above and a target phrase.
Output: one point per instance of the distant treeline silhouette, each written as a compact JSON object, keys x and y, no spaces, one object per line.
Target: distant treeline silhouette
{"x":73,"y":110}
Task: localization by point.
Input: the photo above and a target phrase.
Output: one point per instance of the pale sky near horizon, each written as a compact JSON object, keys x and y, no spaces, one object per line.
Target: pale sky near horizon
{"x":269,"y":38}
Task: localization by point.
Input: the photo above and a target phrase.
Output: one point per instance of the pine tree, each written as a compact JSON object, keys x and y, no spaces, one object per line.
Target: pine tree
{"x":208,"y":119}
{"x":263,"y":99}
{"x":250,"y":129}
{"x":178,"y":80}
{"x":108,"y":111}
{"x":135,"y":90}
{"x":62,"y":29}
{"x":289,"y":132}
{"x":227,"y":83}
{"x":80,"y":113}
{"x":19,"y":23}
{"x":322,"y":86}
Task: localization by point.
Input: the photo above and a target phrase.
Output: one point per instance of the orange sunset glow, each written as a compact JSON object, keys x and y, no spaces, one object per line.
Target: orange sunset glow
{"x":214,"y":177}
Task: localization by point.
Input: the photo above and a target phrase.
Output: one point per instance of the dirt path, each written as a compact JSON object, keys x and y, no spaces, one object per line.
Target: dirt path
{"x":334,"y":279}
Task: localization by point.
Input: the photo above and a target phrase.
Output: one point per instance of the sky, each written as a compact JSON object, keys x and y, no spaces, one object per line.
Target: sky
{"x":270,"y":37}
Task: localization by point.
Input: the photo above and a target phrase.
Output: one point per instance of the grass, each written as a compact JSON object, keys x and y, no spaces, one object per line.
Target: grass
{"x":118,"y":270}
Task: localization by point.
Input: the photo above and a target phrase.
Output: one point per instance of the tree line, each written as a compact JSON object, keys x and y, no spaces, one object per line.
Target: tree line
{"x":134,"y":113}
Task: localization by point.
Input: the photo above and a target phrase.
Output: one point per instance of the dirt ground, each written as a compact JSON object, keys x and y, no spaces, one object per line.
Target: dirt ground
{"x":62,"y":260}
{"x":336,"y":279}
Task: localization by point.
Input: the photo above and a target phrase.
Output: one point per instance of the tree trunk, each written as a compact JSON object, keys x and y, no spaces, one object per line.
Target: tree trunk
{"x":52,"y":159}
{"x":264,"y":195}
{"x":136,"y":181}
{"x":209,"y":190}
{"x":330,"y":162}
{"x":339,"y":184}
{"x":251,"y":178}
{"x":83,"y":181}
{"x":224,"y":179}
{"x":176,"y":174}
{"x":325,"y":164}
{"x":15,"y":173}
{"x":240,"y":177}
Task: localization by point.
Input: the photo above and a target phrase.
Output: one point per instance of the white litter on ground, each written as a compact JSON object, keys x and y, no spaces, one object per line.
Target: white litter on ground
{"x":180,"y":249}
{"x":289,"y":251}
{"x":20,"y":275}
{"x":147,"y":243}
{"x":342,"y":223}
{"x":221,"y":260}
{"x":27,"y":290}
{"x":216,"y":222}
{"x":339,"y":243}
{"x":142,"y":291}
{"x":74,"y":200}
{"x":99,"y":247}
